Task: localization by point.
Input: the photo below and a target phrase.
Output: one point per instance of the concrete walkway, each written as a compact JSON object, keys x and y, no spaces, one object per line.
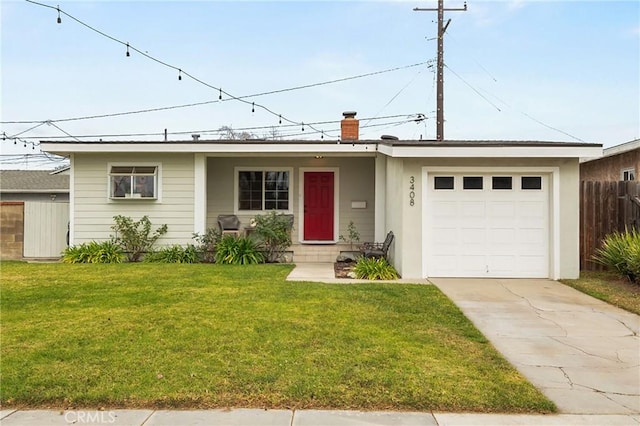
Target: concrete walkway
{"x":251,"y":417}
{"x":582,"y":353}
{"x":323,"y":272}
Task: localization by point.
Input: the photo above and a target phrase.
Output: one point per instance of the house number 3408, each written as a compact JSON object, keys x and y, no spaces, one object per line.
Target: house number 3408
{"x":412,"y":191}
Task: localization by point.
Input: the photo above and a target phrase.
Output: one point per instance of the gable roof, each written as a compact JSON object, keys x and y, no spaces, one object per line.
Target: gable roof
{"x":33,"y":181}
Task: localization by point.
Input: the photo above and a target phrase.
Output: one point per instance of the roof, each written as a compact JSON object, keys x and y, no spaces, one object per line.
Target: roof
{"x":616,"y":150}
{"x":33,"y":181}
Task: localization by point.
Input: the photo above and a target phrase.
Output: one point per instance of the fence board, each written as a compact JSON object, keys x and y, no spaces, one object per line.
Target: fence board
{"x":605,"y":207}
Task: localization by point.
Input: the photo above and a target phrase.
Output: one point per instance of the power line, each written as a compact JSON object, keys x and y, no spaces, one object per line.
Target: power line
{"x":289,"y":89}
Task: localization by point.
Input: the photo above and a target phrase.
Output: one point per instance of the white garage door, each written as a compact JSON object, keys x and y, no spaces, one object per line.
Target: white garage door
{"x":487,"y":225}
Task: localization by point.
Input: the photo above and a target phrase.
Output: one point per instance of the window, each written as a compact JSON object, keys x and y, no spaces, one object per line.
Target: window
{"x":443,"y":182}
{"x":133,"y":182}
{"x":472,"y":182}
{"x":501,"y":182}
{"x":263,"y":189}
{"x":531,"y":182}
{"x":628,"y":174}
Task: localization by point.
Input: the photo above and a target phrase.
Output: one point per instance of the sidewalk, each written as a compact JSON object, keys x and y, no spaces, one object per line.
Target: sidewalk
{"x":251,"y":417}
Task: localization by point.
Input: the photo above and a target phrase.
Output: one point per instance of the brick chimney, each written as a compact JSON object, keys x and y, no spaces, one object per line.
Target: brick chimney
{"x":350,"y":127}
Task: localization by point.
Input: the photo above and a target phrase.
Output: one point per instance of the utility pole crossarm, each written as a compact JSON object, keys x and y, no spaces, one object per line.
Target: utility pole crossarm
{"x":440,"y":69}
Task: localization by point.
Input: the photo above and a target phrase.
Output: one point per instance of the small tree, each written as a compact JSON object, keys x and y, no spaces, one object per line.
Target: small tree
{"x":273,"y":231}
{"x":135,"y":238}
{"x":353,"y":236}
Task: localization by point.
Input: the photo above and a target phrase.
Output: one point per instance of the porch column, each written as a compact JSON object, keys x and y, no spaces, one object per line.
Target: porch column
{"x":200,"y":194}
{"x":380,"y":231}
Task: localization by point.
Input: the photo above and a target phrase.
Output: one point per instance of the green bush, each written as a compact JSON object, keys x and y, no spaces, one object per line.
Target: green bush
{"x":238,"y":251}
{"x":135,"y":238}
{"x":273,"y":232}
{"x":375,"y":269}
{"x":174,"y":254}
{"x":206,"y":244}
{"x":93,"y":252}
{"x":620,"y":252}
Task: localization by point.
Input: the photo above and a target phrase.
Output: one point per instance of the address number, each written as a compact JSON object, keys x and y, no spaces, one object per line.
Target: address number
{"x":412,"y":191}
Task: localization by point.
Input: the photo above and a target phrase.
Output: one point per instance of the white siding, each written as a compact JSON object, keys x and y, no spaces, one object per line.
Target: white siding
{"x":45,"y":228}
{"x":94,"y":211}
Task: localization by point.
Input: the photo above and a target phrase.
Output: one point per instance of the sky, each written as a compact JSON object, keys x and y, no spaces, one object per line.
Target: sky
{"x":515,"y":70}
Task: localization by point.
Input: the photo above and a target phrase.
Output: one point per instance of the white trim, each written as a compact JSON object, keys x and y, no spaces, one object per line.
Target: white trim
{"x":72,"y":200}
{"x":199,"y":193}
{"x":238,"y":169}
{"x":490,"y":151}
{"x":553,"y":173}
{"x":380,"y":195}
{"x":212,"y":148}
{"x":627,"y":170}
{"x":158,"y":180}
{"x":336,"y":202}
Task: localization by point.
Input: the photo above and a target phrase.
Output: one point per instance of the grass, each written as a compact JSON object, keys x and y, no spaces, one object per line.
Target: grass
{"x":203,"y":336}
{"x":609,"y":287}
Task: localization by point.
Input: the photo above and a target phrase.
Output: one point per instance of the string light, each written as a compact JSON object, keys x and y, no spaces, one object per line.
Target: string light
{"x":59,"y":18}
{"x":179,"y":74}
{"x":220,"y":95}
{"x":279,"y":119}
{"x":303,"y":126}
{"x":253,"y":107}
{"x":128,"y":54}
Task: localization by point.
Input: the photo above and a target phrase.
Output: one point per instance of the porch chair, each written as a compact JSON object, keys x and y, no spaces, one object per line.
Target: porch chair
{"x":229,"y":224}
{"x":377,"y":250}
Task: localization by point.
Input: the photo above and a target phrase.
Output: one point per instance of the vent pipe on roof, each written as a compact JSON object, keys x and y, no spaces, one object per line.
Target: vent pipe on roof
{"x":349,"y":126}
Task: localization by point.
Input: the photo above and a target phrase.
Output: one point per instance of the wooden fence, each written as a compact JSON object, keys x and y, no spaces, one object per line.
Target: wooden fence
{"x":605,"y":207}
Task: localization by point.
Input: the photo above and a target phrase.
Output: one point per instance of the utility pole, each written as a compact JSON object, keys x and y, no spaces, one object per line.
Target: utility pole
{"x":442,"y":27}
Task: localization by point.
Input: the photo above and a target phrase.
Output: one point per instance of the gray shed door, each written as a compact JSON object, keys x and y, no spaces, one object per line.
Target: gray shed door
{"x":45,"y":228}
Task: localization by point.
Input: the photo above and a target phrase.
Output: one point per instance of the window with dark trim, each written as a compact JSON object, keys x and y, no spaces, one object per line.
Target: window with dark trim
{"x":443,"y":182}
{"x":531,"y":182}
{"x":133,"y":182}
{"x":501,"y":182}
{"x":472,"y":182}
{"x":263,"y":190}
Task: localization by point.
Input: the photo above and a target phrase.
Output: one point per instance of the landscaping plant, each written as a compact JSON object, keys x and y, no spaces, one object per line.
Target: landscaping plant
{"x":206,"y":244}
{"x":620,"y":252}
{"x":353,"y":235}
{"x":135,"y":238}
{"x":273,"y":231}
{"x":93,"y":252}
{"x":174,"y":254}
{"x":238,"y":251}
{"x":375,"y":269}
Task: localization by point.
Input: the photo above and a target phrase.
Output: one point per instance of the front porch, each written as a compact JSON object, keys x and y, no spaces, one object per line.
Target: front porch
{"x":317,"y":253}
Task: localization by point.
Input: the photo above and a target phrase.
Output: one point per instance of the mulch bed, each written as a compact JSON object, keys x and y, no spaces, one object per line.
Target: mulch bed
{"x":342,"y":269}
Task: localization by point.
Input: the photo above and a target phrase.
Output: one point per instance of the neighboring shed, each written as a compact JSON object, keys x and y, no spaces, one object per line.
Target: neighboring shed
{"x":618,"y":163}
{"x":34,"y":213}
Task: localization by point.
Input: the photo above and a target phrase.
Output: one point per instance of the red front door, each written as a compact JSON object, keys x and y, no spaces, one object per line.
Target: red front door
{"x":318,"y":206}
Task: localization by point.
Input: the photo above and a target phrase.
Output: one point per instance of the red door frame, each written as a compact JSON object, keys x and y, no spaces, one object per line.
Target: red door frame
{"x":319,"y":205}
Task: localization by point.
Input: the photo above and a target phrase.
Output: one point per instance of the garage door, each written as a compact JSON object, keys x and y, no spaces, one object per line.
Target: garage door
{"x":487,"y":225}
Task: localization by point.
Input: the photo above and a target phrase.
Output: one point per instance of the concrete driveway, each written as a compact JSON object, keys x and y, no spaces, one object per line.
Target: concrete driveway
{"x":582,"y":353}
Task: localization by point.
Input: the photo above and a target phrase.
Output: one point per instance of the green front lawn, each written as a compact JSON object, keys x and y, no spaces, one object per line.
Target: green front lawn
{"x":609,"y":287}
{"x":185,"y":336}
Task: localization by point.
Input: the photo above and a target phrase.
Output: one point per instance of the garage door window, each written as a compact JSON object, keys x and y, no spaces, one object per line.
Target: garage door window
{"x":531,"y":182}
{"x":472,"y":182}
{"x":443,"y":182}
{"x":502,"y":182}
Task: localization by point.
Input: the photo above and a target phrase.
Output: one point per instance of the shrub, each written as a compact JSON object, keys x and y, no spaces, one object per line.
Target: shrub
{"x":273,"y":232}
{"x":374,"y":269}
{"x":135,"y":238}
{"x":353,"y":235}
{"x":238,"y":251}
{"x":620,"y":252}
{"x":93,"y":252}
{"x":206,"y":244}
{"x":174,"y":254}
